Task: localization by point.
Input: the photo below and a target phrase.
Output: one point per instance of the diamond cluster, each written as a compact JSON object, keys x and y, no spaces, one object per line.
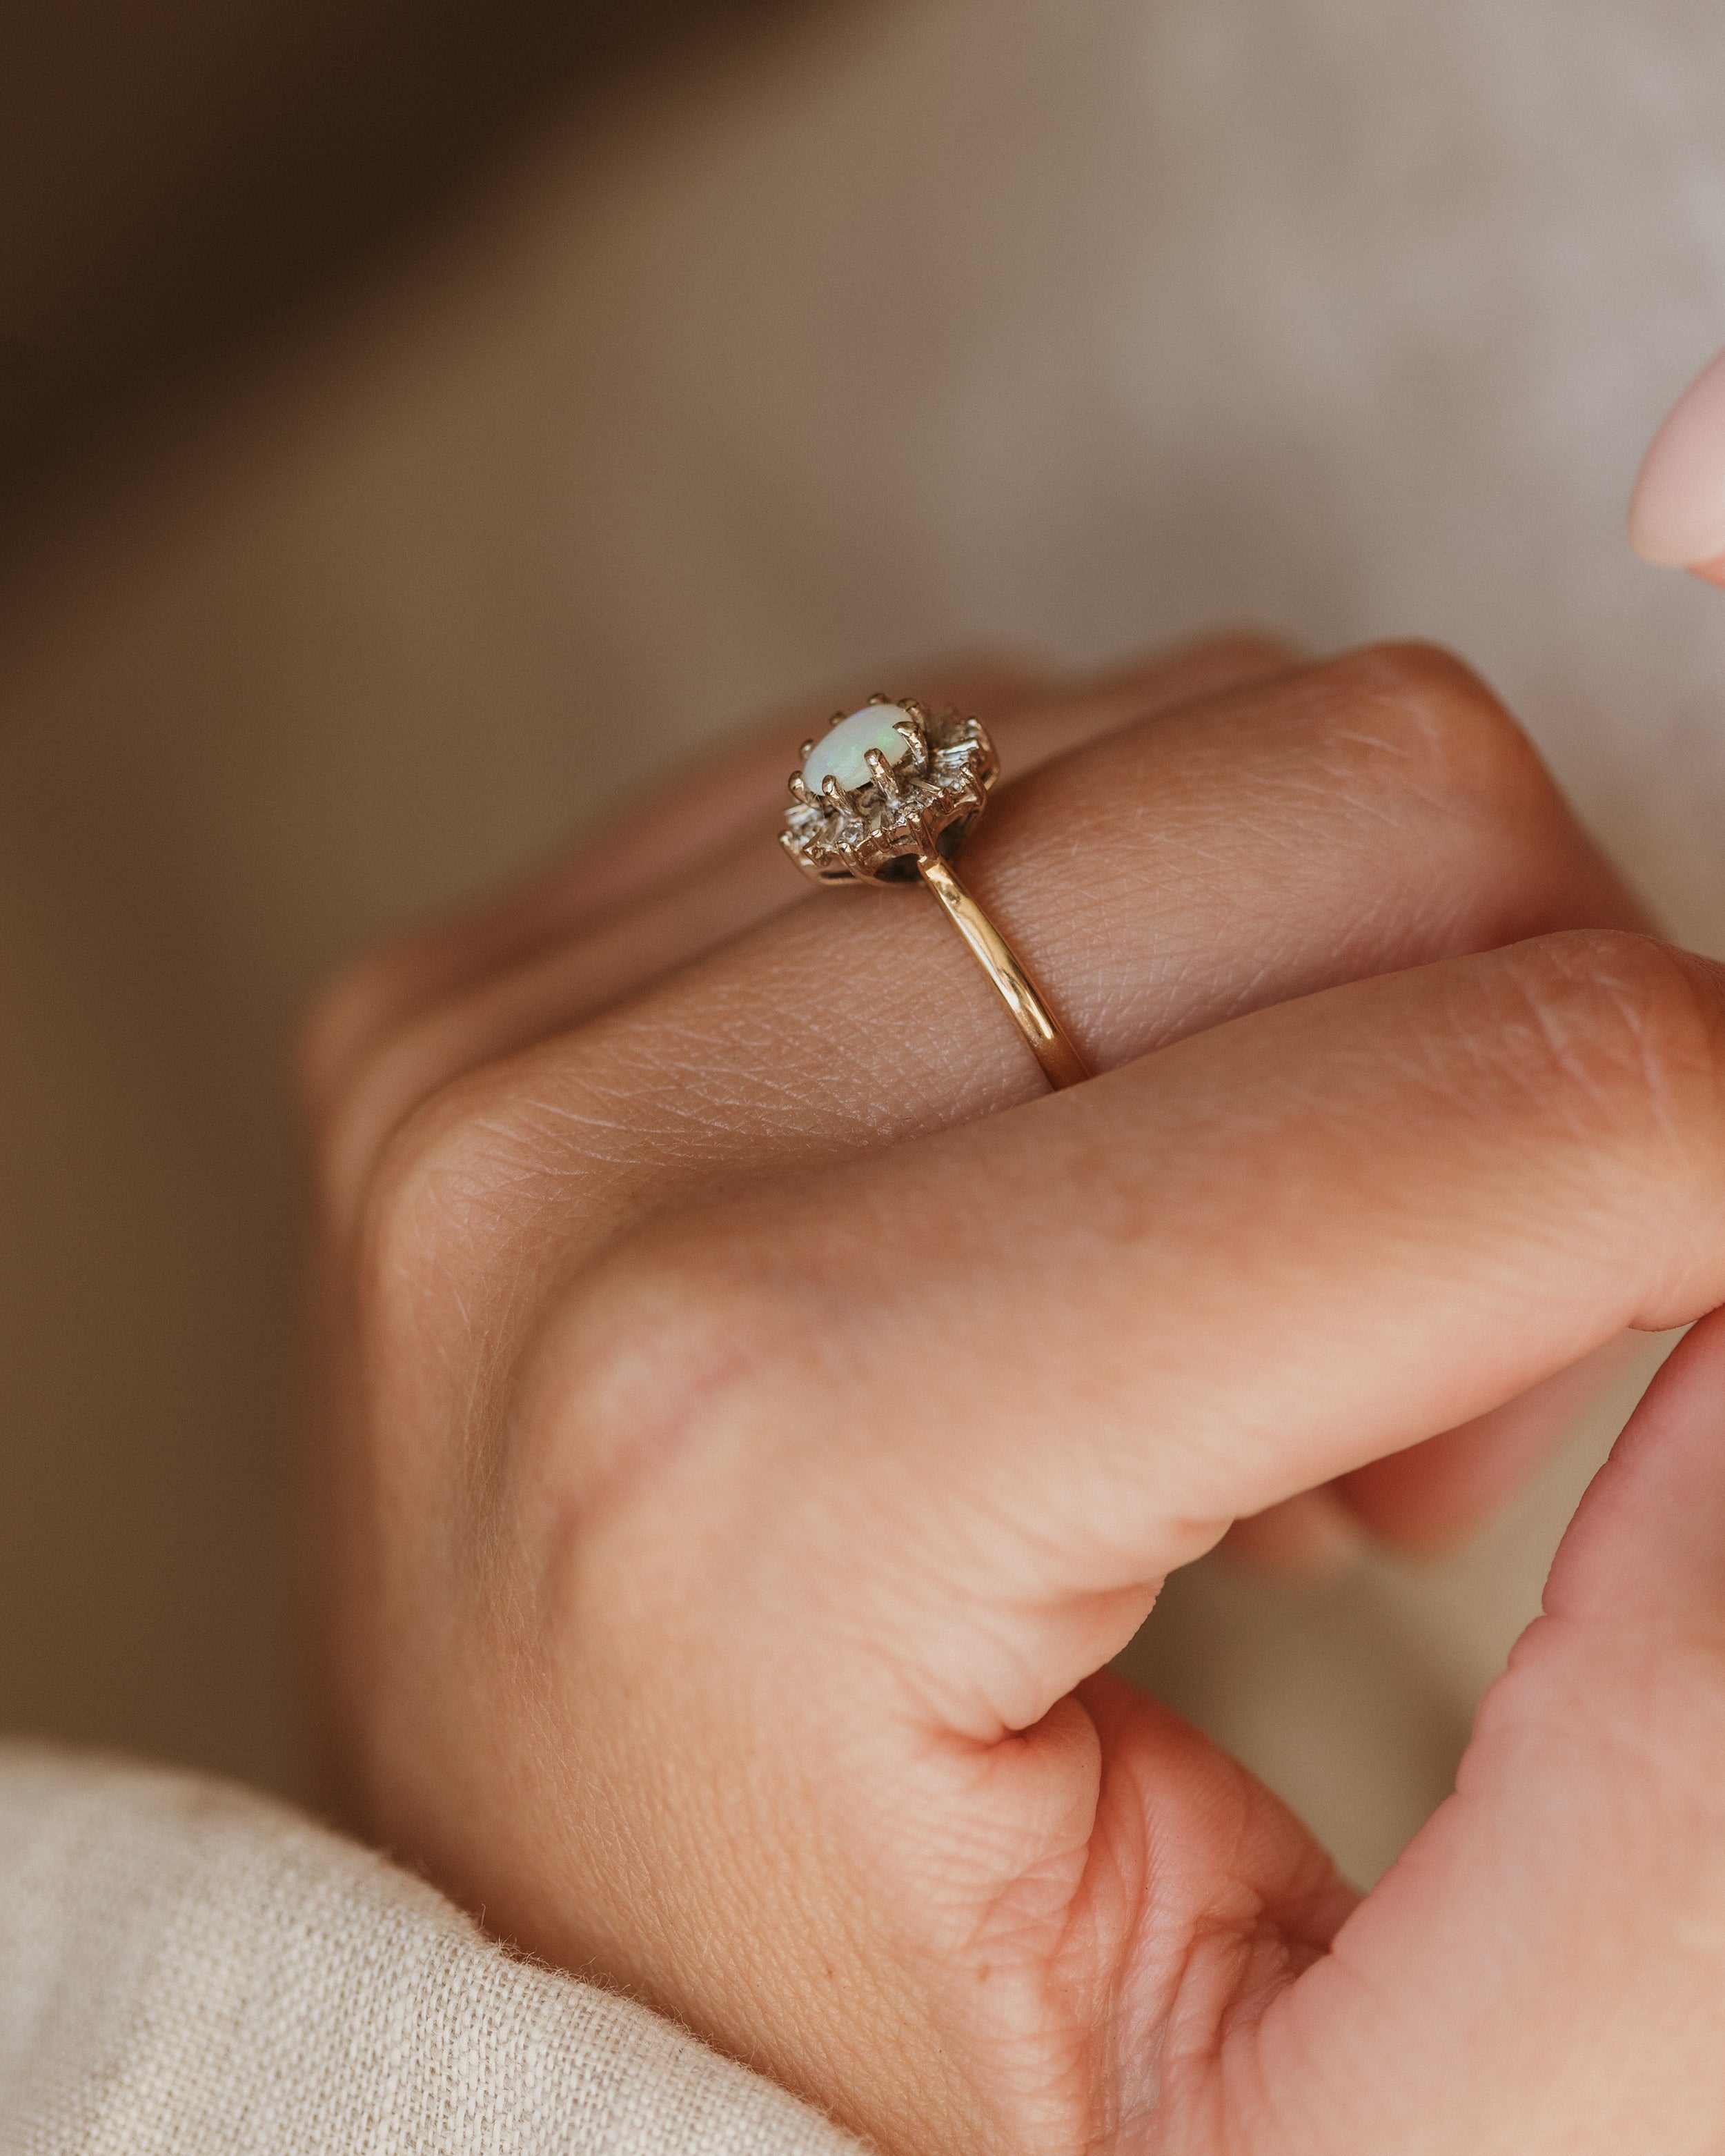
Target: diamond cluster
{"x":919,"y":802}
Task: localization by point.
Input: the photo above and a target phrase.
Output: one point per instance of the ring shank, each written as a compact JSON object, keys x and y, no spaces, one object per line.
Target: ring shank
{"x":1062,"y":1064}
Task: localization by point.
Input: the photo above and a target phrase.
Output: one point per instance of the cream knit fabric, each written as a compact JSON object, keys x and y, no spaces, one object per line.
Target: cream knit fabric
{"x":187,"y":1967}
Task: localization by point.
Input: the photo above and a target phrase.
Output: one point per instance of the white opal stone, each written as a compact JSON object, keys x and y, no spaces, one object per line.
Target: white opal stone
{"x":842,"y":752}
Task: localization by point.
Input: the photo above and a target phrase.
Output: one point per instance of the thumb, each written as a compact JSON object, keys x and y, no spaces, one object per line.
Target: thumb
{"x":1677,"y":517}
{"x":1544,"y":1969}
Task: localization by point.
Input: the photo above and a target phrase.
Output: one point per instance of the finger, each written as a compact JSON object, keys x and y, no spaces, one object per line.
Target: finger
{"x":707,"y":821}
{"x":568,"y":968}
{"x":1544,"y":1968}
{"x":1381,"y":1212}
{"x":1647,"y":1546}
{"x":1378,"y":812}
{"x":701,"y":817}
{"x":1439,"y":1491}
{"x":1677,"y":518}
{"x":1314,"y":1535}
{"x":1434,"y":1493}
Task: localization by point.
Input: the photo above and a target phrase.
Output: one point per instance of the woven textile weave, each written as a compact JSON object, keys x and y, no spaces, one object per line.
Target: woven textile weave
{"x":188,"y":1967}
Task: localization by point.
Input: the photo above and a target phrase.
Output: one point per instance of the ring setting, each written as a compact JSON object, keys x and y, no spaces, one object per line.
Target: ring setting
{"x":888,"y":784}
{"x":888,"y":795}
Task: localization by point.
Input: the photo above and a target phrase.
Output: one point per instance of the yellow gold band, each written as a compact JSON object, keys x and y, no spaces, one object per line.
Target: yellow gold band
{"x":891,"y":784}
{"x":1061,"y":1063}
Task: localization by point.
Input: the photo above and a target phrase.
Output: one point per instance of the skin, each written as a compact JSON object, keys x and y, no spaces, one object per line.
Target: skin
{"x":1677,"y":517}
{"x":754,"y":1412}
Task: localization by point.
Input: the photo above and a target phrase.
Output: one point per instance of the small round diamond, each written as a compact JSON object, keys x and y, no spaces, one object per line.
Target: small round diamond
{"x":843,"y":752}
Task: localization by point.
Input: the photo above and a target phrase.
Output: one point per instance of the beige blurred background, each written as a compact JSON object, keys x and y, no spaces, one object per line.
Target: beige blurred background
{"x":418,"y":429}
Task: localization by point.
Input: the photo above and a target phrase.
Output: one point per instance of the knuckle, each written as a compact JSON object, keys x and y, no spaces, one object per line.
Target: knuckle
{"x":442,"y":1257}
{"x":1626,"y":1022}
{"x":366,"y":1057}
{"x":418,"y":1200}
{"x":479,"y":1200}
{"x":1444,"y":729}
{"x":452,"y":1184}
{"x":433,"y":1308}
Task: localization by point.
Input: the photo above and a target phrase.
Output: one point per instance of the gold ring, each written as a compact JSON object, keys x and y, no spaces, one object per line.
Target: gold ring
{"x":889,"y":794}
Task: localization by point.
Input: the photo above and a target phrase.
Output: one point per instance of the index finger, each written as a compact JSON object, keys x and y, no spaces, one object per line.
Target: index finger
{"x":1044,"y":1360}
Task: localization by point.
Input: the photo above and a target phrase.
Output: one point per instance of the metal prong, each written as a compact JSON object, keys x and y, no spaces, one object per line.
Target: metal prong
{"x":884,"y":776}
{"x":838,"y":718}
{"x":880,"y":696}
{"x":916,"y":709}
{"x":807,"y":749}
{"x":800,"y":858}
{"x":799,"y":791}
{"x":908,"y":731}
{"x":836,"y":796}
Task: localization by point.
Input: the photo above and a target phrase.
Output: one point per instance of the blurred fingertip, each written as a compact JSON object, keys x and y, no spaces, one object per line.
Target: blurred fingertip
{"x":1677,"y":513}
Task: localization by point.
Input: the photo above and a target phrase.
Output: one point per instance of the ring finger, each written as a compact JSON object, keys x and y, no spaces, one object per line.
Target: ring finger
{"x":1378,"y":812}
{"x":697,"y":865}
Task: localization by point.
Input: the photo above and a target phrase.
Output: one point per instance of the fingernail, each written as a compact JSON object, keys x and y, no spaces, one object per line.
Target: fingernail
{"x":1677,"y":517}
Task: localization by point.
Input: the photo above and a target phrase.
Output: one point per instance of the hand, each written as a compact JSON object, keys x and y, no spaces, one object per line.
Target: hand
{"x":755,"y":1413}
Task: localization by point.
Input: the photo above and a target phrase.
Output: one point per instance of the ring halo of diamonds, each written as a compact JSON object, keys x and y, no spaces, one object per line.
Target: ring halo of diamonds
{"x":886,"y":786}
